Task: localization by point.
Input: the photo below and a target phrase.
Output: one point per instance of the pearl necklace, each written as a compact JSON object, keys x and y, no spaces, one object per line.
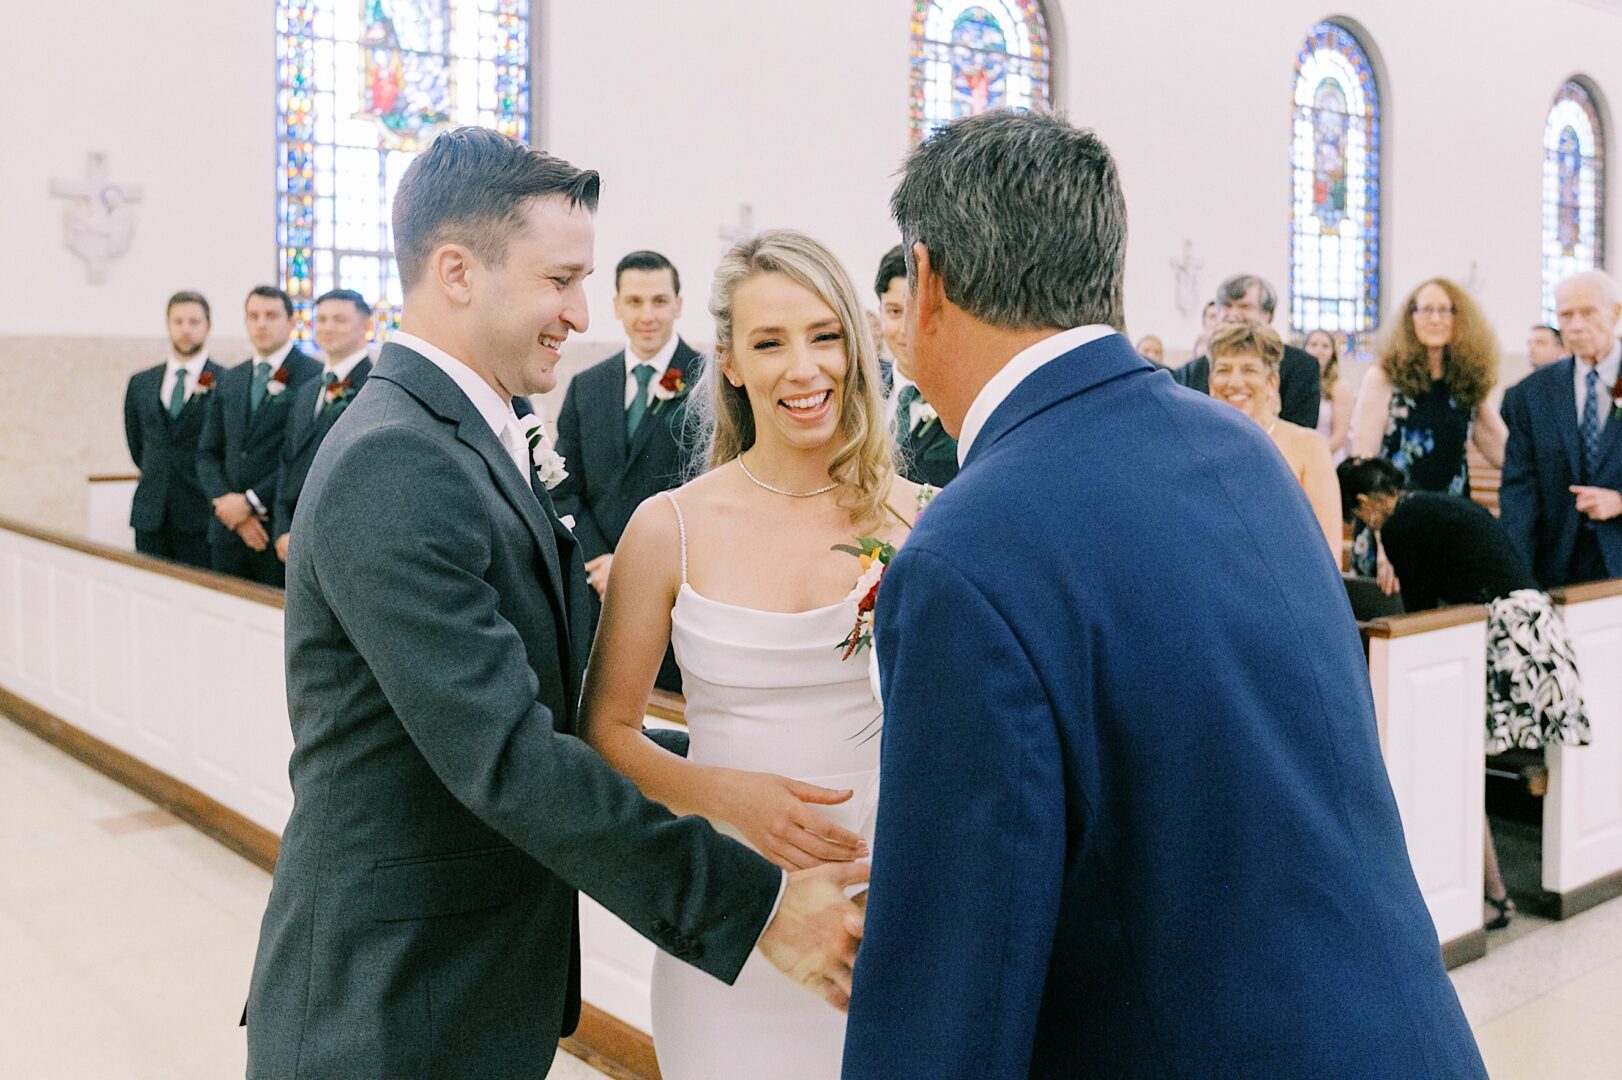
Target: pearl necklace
{"x":758,"y":482}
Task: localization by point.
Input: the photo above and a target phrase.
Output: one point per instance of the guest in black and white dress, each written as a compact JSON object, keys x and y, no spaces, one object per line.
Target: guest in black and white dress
{"x":1445,"y":549}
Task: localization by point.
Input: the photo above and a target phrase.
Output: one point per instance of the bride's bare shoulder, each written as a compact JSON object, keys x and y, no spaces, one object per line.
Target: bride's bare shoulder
{"x":906,"y":498}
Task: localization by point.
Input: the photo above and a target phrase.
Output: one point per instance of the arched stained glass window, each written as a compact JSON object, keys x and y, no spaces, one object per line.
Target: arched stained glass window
{"x":1573,"y":188}
{"x":1335,"y":189}
{"x":972,"y":55}
{"x":361,"y":86}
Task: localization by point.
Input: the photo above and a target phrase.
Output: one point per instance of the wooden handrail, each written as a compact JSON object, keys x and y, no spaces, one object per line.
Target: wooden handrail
{"x":1423,"y":622}
{"x":667,"y":706}
{"x":245,"y":590}
{"x":113,"y":478}
{"x":1593,"y":590}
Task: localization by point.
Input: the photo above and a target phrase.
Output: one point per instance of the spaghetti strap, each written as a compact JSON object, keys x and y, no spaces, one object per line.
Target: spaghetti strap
{"x":681,"y":525}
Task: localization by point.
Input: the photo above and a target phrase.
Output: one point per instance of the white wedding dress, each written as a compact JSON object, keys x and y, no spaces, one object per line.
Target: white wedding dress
{"x":767,"y":692}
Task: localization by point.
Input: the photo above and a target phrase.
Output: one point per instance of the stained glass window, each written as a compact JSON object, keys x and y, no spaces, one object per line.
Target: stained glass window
{"x":972,"y":55}
{"x":1335,"y":190}
{"x":361,"y":86}
{"x":1573,"y":189}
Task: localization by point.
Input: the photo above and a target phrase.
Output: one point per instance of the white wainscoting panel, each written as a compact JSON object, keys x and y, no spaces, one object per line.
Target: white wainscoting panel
{"x":1430,"y":698}
{"x":1582,"y":812}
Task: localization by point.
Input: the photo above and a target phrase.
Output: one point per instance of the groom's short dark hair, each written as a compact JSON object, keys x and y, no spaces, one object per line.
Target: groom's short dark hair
{"x":1023,"y":218}
{"x":470,"y":187}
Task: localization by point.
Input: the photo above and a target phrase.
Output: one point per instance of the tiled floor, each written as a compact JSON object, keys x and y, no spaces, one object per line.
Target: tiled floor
{"x":126,"y":940}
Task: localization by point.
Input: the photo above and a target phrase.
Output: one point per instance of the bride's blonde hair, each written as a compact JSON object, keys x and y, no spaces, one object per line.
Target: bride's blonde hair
{"x":865,"y":462}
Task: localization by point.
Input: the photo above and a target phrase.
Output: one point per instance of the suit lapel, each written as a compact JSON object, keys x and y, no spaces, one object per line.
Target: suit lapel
{"x":606,"y":400}
{"x":662,"y":411}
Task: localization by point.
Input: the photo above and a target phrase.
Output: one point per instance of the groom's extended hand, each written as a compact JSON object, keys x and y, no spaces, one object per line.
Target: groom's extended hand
{"x":814,"y":935}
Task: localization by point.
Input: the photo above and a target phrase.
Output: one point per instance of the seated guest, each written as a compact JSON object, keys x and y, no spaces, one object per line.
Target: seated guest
{"x":1544,"y":346}
{"x":1447,"y":550}
{"x":342,"y":317}
{"x":1246,"y":298}
{"x":1152,"y":349}
{"x":1335,"y":411}
{"x":928,"y":455}
{"x":239,"y":456}
{"x":163,"y":419}
{"x":1425,"y":399}
{"x":1561,"y":494}
{"x":1244,"y":373}
{"x":621,"y":428}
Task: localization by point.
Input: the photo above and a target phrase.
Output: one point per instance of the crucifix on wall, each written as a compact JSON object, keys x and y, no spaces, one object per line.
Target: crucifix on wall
{"x":1186,"y":275}
{"x":745,"y":227}
{"x":98,"y":224}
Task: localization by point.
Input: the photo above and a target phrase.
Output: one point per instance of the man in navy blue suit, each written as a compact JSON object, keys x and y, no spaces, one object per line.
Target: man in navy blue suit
{"x":1560,"y":496}
{"x":1129,"y":826}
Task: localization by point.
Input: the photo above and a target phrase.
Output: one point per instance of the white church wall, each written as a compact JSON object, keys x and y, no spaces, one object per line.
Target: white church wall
{"x":799,"y":110}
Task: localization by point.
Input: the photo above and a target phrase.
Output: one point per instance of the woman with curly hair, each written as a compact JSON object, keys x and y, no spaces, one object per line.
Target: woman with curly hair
{"x":1425,"y":400}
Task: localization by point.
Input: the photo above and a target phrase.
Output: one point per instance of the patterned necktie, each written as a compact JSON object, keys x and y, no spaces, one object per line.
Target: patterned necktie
{"x":261,"y":379}
{"x":639,"y":403}
{"x":177,"y":399}
{"x":903,"y":410}
{"x":326,"y":395}
{"x":1589,"y":426}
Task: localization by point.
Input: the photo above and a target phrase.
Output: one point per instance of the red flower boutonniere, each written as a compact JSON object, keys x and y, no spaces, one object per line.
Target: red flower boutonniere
{"x":205,"y":383}
{"x":277,"y":386}
{"x":671,"y":385}
{"x":1616,"y":398}
{"x":338,"y":391}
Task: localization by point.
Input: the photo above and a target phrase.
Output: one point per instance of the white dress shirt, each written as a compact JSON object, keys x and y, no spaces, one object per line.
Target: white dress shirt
{"x":275,"y":359}
{"x":192,"y":368}
{"x":1608,"y":369}
{"x":1021,"y":367}
{"x":659,"y":362}
{"x":343,"y":369}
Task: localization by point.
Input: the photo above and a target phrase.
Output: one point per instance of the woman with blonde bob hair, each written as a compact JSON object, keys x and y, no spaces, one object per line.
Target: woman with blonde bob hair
{"x":1426,"y":399}
{"x":748,"y":572}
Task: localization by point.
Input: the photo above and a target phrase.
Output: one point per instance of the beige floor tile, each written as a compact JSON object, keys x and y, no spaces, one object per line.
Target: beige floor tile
{"x":24,"y":955}
{"x":1601,"y":989}
{"x":568,"y":1067}
{"x":215,"y":872}
{"x":25,"y":806}
{"x":71,"y":781}
{"x":63,"y":1028}
{"x":87,"y":860}
{"x":1551,"y":1038}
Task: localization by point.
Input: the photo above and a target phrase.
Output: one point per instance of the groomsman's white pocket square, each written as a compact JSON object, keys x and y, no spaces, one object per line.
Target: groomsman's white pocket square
{"x":568,"y":521}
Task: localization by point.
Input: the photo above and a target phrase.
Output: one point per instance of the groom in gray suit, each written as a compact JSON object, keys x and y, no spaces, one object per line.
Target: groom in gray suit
{"x":423,"y":918}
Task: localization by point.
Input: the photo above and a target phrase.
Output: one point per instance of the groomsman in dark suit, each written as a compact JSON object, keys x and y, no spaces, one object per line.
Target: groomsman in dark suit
{"x":1247,"y":298}
{"x":620,"y":431}
{"x":163,"y":418}
{"x":1561,"y":494}
{"x":928,"y":453}
{"x":341,"y":320}
{"x":239,"y":457}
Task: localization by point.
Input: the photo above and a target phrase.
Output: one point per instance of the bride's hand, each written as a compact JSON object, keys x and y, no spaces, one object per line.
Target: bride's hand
{"x":772,"y":814}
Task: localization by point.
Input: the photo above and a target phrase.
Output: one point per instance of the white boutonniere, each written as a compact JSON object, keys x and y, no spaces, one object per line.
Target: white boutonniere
{"x":277,"y":386}
{"x":923,"y":414}
{"x":549,"y":464}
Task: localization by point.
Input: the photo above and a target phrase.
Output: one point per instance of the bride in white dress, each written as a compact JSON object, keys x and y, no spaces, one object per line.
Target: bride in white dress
{"x":737,"y":570}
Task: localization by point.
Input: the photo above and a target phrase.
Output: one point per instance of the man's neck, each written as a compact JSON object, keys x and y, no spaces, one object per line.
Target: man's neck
{"x":983,"y":352}
{"x":648,"y":357}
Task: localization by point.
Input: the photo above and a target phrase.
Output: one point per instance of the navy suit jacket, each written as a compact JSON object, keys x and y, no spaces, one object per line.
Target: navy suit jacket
{"x":1129,"y":826}
{"x":1541,"y":462}
{"x":164,"y":449}
{"x":305,"y":430}
{"x":239,"y":452}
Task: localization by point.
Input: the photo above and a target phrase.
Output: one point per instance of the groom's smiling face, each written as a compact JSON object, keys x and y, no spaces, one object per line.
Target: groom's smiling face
{"x":526,"y":307}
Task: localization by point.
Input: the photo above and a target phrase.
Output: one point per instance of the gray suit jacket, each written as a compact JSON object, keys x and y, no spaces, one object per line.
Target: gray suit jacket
{"x":422,"y":921}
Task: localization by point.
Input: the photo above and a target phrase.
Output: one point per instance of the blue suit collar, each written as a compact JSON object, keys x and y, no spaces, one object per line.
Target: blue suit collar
{"x":1076,"y":372}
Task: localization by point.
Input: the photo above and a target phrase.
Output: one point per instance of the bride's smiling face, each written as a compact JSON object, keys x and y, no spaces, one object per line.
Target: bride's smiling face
{"x":788,"y":353}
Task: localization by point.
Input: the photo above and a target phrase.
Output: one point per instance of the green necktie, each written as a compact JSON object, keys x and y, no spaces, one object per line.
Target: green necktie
{"x":326,"y":386}
{"x":177,"y":400}
{"x":903,"y":410}
{"x":261,"y":379}
{"x":639,"y":404}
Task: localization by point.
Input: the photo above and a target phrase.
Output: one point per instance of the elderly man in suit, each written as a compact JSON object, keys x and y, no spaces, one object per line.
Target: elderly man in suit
{"x":1247,"y":298}
{"x":239,"y":456}
{"x":621,"y":428}
{"x":1561,"y":494}
{"x":164,"y":411}
{"x":1093,"y":858}
{"x":423,"y":918}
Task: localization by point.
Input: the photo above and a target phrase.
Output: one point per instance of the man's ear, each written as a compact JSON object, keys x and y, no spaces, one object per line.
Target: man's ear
{"x":929,"y":293}
{"x":450,"y":269}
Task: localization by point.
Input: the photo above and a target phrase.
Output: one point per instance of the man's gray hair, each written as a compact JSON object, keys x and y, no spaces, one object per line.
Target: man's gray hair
{"x":1605,"y":283}
{"x":1023,"y":218}
{"x":1235,"y":288}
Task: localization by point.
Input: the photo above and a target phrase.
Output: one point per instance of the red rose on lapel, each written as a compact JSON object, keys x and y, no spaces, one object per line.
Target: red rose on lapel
{"x":278,"y":383}
{"x":671,"y":385}
{"x":337,"y":390}
{"x":205,"y":383}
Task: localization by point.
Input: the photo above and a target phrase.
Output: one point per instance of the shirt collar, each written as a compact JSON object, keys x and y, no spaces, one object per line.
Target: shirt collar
{"x":660,"y":361}
{"x":277,"y":358}
{"x":491,"y":405}
{"x":344,"y":367}
{"x":1608,"y":367}
{"x":1021,"y":367}
{"x":191,"y":367}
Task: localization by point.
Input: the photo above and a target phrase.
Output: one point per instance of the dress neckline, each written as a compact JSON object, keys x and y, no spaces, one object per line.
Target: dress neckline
{"x":688,"y":590}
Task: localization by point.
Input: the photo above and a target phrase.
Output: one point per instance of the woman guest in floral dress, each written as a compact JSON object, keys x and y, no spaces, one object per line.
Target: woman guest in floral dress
{"x":1448,"y":550}
{"x":1425,"y":400}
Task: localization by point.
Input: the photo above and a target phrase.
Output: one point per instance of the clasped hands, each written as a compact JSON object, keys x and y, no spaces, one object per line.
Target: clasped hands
{"x":1596,"y":503}
{"x":815,"y":934}
{"x":237,"y":514}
